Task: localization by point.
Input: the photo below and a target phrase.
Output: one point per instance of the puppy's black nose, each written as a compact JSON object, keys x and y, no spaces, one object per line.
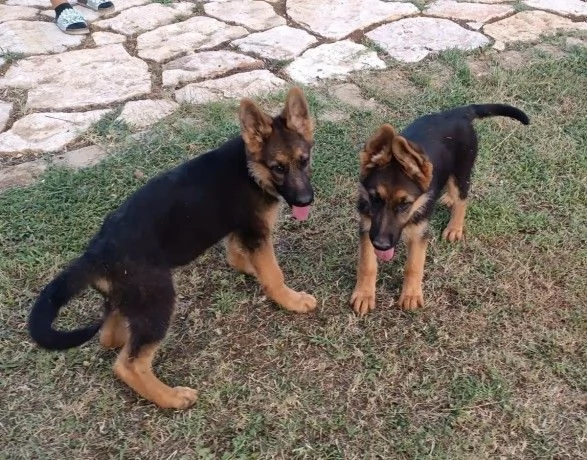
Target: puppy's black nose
{"x":382,"y":243}
{"x":304,"y":198}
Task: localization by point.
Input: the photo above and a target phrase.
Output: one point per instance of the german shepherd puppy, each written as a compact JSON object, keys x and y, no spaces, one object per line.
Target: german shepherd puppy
{"x":232,"y":192}
{"x":402,"y":176}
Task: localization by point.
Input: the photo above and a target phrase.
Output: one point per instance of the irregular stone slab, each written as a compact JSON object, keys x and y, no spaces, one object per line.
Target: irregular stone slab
{"x":89,"y":14}
{"x":499,"y":46}
{"x":47,"y":132}
{"x":411,"y":40}
{"x":35,"y":37}
{"x":475,"y":25}
{"x":143,"y":18}
{"x":475,"y":12}
{"x":121,"y":5}
{"x":350,"y":94}
{"x":107,"y":38}
{"x":81,"y":158}
{"x":527,"y":26}
{"x":11,"y":13}
{"x":337,"y":19}
{"x":333,"y":60}
{"x":79,"y":78}
{"x":282,"y":42}
{"x":253,"y":14}
{"x":225,"y":1}
{"x":248,"y":84}
{"x":206,"y":65}
{"x":29,"y":3}
{"x":140,"y":114}
{"x":196,"y":33}
{"x":568,"y":7}
{"x":21,"y":175}
{"x":5,"y":109}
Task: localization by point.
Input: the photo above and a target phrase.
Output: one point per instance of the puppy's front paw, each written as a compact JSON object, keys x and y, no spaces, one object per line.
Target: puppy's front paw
{"x":453,"y":234}
{"x":299,"y":302}
{"x":183,"y":397}
{"x":411,"y":298}
{"x":363,"y":301}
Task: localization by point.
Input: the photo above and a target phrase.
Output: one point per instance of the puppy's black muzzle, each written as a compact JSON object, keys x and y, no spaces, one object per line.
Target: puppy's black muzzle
{"x":297,"y":190}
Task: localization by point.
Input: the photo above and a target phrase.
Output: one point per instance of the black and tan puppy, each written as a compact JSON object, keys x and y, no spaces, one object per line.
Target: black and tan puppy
{"x":232,"y":192}
{"x":402,"y":177}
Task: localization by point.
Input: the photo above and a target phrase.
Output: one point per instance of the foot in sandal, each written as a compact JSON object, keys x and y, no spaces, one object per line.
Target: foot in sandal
{"x":101,"y":6}
{"x":70,"y":21}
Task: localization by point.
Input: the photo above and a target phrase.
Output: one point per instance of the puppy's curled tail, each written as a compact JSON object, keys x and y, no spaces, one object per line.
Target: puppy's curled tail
{"x":55,"y":295}
{"x":503,"y":110}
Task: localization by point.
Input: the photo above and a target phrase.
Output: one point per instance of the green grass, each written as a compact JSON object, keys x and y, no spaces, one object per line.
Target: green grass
{"x":494,"y":365}
{"x":10,"y":56}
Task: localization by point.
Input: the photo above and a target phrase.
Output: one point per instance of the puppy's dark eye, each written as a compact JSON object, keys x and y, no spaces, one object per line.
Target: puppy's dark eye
{"x":403,"y":206}
{"x":278,"y":169}
{"x":304,"y":161}
{"x":375,"y":199}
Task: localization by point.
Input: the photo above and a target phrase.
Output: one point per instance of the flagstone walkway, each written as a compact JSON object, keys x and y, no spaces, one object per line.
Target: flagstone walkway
{"x":148,"y":57}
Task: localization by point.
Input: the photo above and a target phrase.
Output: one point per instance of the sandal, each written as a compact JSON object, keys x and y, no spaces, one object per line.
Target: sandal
{"x":101,"y":6}
{"x":72,"y":22}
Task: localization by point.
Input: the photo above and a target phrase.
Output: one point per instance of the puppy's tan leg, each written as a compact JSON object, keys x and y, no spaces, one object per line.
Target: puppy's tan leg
{"x":416,"y":239}
{"x":458,"y":207}
{"x":114,"y":331}
{"x":270,"y":276}
{"x":363,"y":298}
{"x":237,"y":257}
{"x":138,"y":374}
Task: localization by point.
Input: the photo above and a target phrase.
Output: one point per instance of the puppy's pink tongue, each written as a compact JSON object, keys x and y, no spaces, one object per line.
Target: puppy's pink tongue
{"x":300,"y":212}
{"x":385,"y":255}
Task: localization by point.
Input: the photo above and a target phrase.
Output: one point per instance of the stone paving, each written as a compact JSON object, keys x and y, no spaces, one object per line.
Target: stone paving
{"x":147,"y":57}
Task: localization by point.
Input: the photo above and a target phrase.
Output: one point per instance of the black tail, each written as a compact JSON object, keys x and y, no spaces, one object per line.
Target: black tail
{"x":55,"y":295}
{"x":504,"y":110}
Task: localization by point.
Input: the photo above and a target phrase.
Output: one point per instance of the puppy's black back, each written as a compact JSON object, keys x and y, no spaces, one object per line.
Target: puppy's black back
{"x":450,"y":141}
{"x":181,"y":213}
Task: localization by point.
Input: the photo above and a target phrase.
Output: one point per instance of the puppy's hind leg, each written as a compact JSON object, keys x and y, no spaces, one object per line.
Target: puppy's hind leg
{"x":148,"y":305}
{"x":134,"y":367}
{"x":114,"y":332}
{"x":457,"y":201}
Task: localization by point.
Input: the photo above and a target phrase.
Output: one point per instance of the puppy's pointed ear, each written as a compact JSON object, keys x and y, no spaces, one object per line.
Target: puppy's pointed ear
{"x":255,"y":126}
{"x":413,"y":160}
{"x":296,"y":114}
{"x":377,"y":151}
